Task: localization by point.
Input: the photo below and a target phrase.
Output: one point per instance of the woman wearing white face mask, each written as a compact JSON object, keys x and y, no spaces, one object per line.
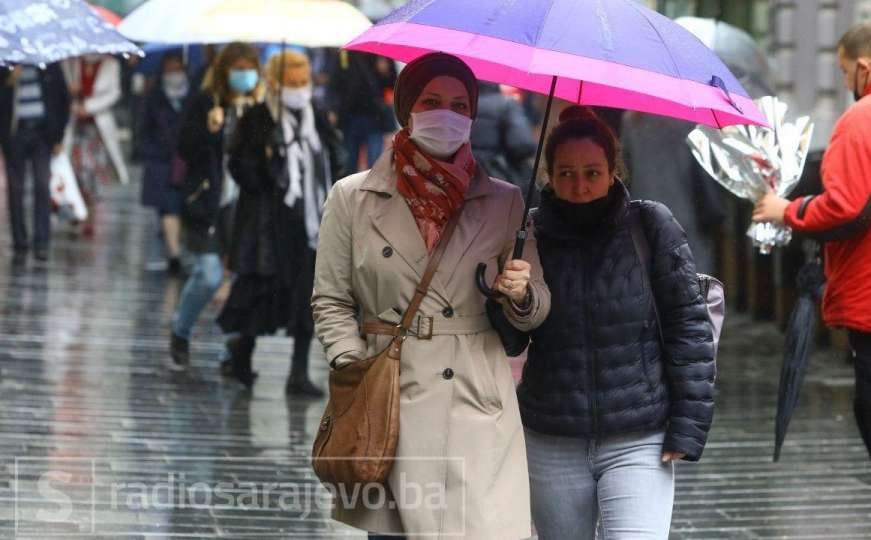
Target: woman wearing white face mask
{"x":159,"y":128}
{"x":461,"y":453}
{"x":284,"y":158}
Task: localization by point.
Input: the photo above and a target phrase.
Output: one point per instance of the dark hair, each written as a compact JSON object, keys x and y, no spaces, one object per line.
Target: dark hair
{"x":576,"y":123}
{"x":856,"y":43}
{"x":170,"y":55}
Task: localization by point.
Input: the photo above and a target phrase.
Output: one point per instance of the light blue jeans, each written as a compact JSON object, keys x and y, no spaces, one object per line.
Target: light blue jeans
{"x":198,"y":291}
{"x":619,"y":478}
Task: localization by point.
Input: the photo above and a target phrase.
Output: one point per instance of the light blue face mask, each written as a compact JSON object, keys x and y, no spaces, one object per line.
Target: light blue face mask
{"x":243,"y":81}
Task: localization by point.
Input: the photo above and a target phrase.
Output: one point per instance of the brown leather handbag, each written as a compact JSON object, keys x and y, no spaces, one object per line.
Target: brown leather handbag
{"x":356,"y":441}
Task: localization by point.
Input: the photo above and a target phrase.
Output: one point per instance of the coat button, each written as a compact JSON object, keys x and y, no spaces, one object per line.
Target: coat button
{"x":387,"y":252}
{"x":448,"y":374}
{"x":448,"y":312}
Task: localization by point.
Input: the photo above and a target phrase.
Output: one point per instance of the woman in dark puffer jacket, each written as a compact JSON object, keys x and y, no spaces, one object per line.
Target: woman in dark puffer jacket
{"x":607,"y":401}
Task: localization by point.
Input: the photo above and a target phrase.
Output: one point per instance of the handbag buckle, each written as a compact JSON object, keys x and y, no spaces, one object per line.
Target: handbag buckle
{"x":420,"y":325}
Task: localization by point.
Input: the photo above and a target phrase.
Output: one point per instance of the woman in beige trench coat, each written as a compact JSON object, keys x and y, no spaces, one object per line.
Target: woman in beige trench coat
{"x":461,"y":462}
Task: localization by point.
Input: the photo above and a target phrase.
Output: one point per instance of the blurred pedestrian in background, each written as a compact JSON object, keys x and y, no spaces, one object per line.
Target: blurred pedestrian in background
{"x":231,"y":86}
{"x":611,"y":393}
{"x":94,"y":138}
{"x":160,"y":125}
{"x":359,"y":84}
{"x":502,"y":137}
{"x":841,"y":215}
{"x":34,"y":112}
{"x":284,"y":158}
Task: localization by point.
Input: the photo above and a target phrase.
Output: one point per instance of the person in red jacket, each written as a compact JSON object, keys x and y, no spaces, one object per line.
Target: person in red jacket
{"x":841,"y":215}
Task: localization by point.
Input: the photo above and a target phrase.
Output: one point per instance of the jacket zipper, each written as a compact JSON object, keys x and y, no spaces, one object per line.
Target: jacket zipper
{"x":591,"y":363}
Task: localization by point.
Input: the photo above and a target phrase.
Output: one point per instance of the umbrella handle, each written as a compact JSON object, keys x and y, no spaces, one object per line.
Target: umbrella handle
{"x":481,"y":282}
{"x":481,"y":271}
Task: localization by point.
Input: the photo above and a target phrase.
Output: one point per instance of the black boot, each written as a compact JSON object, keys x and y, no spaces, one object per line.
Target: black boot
{"x":242,"y":361}
{"x":298,"y":383}
{"x":174,"y":267}
{"x":232,"y":349}
{"x":179,"y":353}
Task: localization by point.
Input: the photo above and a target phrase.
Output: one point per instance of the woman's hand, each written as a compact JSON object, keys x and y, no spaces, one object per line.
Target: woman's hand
{"x":216,"y":119}
{"x":513,"y":282}
{"x":770,"y":209}
{"x":668,"y":457}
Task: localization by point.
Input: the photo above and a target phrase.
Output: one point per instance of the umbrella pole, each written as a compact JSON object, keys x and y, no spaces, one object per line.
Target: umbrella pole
{"x":530,"y":191}
{"x":520,"y":240}
{"x":281,"y":85}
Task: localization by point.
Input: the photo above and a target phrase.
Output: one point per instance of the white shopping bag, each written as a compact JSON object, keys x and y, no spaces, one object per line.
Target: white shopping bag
{"x":65,"y":190}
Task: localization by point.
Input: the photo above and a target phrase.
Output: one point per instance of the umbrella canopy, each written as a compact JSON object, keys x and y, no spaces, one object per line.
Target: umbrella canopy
{"x":43,"y":32}
{"x":614,"y":54}
{"x":310,"y":23}
{"x":165,"y":21}
{"x":743,"y":56}
{"x":107,"y":15}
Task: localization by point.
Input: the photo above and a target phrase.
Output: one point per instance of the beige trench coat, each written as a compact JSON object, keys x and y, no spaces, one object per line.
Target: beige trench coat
{"x":460,"y":437}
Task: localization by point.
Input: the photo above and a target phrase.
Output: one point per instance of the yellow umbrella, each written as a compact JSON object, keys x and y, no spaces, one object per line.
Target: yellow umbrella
{"x":309,"y":23}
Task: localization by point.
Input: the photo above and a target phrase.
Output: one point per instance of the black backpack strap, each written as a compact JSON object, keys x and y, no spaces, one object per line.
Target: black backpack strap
{"x":642,"y":249}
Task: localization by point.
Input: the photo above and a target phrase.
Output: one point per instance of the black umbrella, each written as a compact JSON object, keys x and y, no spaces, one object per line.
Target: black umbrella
{"x":799,"y":340}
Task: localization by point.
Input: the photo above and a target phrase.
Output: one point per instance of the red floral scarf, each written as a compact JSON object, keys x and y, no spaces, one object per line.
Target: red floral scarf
{"x":433,"y":189}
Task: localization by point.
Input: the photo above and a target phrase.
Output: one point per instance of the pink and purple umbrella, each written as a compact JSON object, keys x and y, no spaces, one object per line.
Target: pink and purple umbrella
{"x":611,"y":53}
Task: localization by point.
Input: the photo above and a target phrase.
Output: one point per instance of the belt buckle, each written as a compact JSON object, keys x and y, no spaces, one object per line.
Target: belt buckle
{"x":420,"y":334}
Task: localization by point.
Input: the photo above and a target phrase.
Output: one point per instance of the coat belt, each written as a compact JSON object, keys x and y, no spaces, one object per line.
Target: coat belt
{"x":426,"y":327}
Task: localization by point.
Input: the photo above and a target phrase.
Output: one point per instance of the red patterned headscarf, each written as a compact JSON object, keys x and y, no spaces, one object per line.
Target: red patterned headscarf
{"x":433,"y":189}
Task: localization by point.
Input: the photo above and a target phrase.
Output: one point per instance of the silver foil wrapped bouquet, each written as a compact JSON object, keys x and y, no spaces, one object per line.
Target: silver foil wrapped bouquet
{"x":750,"y":160}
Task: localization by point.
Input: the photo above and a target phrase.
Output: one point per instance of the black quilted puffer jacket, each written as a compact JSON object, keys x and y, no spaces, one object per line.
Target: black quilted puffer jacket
{"x":596,"y":365}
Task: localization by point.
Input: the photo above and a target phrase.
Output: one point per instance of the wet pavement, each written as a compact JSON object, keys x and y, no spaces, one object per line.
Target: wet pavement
{"x":99,"y":440}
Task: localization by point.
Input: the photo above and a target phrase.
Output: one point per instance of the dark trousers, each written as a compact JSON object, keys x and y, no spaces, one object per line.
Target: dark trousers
{"x":861,"y":344}
{"x":27,"y":146}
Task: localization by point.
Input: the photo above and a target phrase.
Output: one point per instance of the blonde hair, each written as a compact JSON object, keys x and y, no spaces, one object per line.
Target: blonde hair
{"x":216,"y":82}
{"x":292,"y":60}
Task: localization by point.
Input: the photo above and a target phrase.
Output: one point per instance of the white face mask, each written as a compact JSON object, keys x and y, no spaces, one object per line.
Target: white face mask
{"x":440,"y":132}
{"x":175,"y":84}
{"x":296,"y":98}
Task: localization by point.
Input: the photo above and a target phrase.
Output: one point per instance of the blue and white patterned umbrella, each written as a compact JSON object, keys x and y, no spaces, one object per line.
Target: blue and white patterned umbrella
{"x":40,"y":32}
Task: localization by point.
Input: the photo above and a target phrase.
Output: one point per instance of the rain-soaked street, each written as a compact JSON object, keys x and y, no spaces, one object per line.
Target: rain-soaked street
{"x":100,"y":440}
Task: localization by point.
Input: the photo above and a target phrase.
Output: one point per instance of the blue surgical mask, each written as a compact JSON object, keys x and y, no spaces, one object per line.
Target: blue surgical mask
{"x":243,"y":81}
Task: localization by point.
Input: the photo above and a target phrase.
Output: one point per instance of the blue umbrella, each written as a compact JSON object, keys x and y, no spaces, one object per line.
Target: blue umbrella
{"x":46,"y":31}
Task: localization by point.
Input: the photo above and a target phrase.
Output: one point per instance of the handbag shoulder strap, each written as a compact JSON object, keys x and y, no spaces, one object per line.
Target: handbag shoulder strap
{"x":642,"y":249}
{"x":434,"y":260}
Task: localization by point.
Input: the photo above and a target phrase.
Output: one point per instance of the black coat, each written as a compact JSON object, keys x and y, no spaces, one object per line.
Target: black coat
{"x":502,"y":137}
{"x":270,"y":254}
{"x":56,"y":98}
{"x":596,"y":365}
{"x":262,"y":221}
{"x":157,"y":140}
{"x":203,"y":152}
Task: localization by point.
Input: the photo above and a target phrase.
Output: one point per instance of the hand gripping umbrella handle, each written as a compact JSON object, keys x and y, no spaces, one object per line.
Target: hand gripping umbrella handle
{"x":481,"y":272}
